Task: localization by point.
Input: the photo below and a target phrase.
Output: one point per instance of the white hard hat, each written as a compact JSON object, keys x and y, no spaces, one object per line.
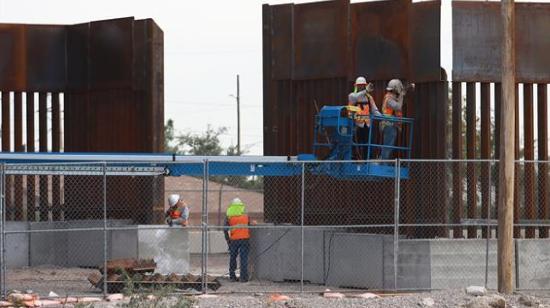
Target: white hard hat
{"x":236,"y":201}
{"x":395,"y":85}
{"x":173,"y":199}
{"x":361,"y":80}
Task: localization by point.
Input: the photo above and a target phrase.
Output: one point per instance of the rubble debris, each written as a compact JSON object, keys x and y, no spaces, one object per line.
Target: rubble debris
{"x":69,"y":300}
{"x":527,"y":301}
{"x":115,"y":297}
{"x":95,"y":279}
{"x":52,"y":294}
{"x":278,"y":298}
{"x":427,"y":302}
{"x":207,"y":296}
{"x":363,"y":295}
{"x":140,"y":274}
{"x":476,"y":291}
{"x":333,"y":295}
{"x":129,"y":266}
{"x":49,"y":302}
{"x":89,"y":300}
{"x":19,"y":297}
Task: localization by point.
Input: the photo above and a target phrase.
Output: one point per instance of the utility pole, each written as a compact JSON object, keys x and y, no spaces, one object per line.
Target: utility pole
{"x":238,"y":116}
{"x":507,"y":136}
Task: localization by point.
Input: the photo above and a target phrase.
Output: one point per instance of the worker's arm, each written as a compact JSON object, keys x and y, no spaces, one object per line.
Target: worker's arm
{"x":352,"y":99}
{"x":226,"y":230}
{"x":396,"y":104}
{"x":373,"y":107}
{"x":185,"y":216}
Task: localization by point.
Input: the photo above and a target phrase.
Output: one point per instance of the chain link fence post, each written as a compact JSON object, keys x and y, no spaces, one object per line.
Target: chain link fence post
{"x":396,"y":220}
{"x":2,"y":228}
{"x":302,"y":205}
{"x":204,"y":229}
{"x":105,"y":257}
{"x":488,"y":237}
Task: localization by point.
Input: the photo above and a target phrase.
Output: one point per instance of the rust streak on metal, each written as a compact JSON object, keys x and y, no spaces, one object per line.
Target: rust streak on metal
{"x":477,"y":33}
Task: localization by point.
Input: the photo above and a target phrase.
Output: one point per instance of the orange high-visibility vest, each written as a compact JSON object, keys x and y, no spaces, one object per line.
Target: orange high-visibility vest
{"x":175,"y":214}
{"x":387,"y":110}
{"x":364,"y":110}
{"x":239,"y":233}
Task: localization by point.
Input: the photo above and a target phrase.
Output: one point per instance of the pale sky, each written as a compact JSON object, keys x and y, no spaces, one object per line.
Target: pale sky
{"x":206,"y":44}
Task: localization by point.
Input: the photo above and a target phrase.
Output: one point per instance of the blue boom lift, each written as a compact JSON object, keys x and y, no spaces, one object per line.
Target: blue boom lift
{"x":335,"y":123}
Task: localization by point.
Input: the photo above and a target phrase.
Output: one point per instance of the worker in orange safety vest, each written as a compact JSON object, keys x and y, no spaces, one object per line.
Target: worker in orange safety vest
{"x":237,"y":235}
{"x":392,"y":106}
{"x":361,"y":98}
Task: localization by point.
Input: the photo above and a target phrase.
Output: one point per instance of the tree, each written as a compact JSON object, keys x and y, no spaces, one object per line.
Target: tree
{"x":207,"y":144}
{"x":169,"y":138}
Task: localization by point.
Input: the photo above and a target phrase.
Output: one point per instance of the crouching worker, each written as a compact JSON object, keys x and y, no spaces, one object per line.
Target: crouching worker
{"x":237,"y":235}
{"x":178,"y":212}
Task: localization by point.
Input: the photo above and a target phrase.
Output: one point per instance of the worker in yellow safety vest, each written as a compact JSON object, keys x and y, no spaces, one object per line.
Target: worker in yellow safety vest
{"x":237,"y":235}
{"x":361,"y":98}
{"x":392,"y":106}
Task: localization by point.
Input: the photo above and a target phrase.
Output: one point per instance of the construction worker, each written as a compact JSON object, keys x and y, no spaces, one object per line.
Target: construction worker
{"x":237,"y":236}
{"x":361,"y":98}
{"x":178,"y":211}
{"x":392,"y":106}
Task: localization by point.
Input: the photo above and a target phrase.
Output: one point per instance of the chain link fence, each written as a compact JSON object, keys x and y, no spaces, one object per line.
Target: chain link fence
{"x":80,"y":229}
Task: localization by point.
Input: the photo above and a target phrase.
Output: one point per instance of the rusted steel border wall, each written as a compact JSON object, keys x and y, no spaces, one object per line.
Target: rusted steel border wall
{"x":476,"y":39}
{"x":313,"y":52}
{"x":109,"y":75}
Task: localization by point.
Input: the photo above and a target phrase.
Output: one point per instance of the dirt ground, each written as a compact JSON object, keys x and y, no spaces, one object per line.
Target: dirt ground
{"x":73,"y":282}
{"x":43,"y":279}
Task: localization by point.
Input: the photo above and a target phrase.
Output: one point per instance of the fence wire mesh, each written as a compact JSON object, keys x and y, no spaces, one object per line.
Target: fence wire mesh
{"x":80,"y":229}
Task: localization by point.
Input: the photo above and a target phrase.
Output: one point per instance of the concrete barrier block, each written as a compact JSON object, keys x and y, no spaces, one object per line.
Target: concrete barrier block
{"x":356,"y":260}
{"x":267,"y":261}
{"x":414,"y":264}
{"x":216,"y":242}
{"x":533,"y":263}
{"x":17,"y":245}
{"x":48,"y":248}
{"x":124,"y":244}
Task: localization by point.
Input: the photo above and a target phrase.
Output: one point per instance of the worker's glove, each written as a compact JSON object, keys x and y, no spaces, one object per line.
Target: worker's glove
{"x":169,"y":221}
{"x":370,"y":88}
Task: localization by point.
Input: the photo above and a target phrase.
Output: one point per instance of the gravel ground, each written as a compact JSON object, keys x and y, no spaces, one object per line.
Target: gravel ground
{"x":72,"y":281}
{"x":43,"y":279}
{"x":447,"y":298}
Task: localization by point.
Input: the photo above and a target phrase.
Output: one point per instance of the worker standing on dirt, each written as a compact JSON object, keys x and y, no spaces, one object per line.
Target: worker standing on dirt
{"x":178,"y":211}
{"x":237,"y":235}
{"x":361,"y":98}
{"x":392,"y":106}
